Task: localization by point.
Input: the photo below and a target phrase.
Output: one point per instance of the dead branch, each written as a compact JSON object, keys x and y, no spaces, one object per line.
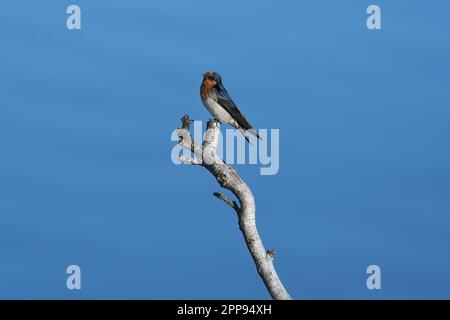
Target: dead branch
{"x":205,"y":155}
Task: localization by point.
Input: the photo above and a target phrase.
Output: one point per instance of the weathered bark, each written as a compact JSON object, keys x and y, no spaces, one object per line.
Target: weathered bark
{"x":205,"y":155}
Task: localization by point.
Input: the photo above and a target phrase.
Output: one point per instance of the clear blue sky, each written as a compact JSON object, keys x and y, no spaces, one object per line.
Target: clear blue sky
{"x":85,"y":170}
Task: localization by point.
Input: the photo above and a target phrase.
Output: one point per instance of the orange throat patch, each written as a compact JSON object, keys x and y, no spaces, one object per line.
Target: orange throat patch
{"x":205,"y":89}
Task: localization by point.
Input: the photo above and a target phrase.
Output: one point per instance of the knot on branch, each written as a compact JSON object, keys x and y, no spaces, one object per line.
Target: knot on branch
{"x":271,"y":253}
{"x":183,"y":135}
{"x":224,"y":180}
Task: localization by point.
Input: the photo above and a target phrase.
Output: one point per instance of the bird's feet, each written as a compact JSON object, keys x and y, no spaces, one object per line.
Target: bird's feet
{"x":216,"y":120}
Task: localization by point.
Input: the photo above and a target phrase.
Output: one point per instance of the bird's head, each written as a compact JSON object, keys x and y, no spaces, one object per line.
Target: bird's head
{"x":211,"y":79}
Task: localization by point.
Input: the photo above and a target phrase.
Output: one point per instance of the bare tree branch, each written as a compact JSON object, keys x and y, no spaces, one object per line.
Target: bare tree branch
{"x":227,"y":177}
{"x":187,"y":160}
{"x":228,"y":201}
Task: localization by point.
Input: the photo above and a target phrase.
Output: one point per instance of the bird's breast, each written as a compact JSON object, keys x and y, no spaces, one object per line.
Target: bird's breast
{"x":217,"y":111}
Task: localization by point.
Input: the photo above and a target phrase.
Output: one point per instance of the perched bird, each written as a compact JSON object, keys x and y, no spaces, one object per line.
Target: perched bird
{"x":219,"y":103}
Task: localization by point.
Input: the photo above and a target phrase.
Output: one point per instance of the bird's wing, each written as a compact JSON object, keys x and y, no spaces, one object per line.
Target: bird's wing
{"x":224,"y":99}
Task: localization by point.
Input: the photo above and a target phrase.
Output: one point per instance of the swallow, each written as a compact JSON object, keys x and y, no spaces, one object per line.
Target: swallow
{"x":219,"y":103}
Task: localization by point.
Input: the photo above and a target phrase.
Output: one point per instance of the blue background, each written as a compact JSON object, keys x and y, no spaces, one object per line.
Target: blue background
{"x":86,"y":176}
